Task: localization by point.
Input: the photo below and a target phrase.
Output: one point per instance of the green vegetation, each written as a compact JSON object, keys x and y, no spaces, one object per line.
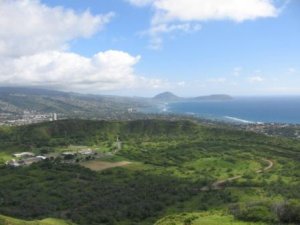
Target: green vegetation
{"x":4,"y":220}
{"x":171,"y":164}
{"x":202,"y":219}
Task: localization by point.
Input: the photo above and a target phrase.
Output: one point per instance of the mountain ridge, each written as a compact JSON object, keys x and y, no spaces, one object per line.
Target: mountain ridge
{"x":169,"y":96}
{"x":17,"y":101}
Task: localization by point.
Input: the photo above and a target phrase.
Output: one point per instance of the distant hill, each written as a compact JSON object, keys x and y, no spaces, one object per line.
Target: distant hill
{"x":166,"y":96}
{"x":31,"y":91}
{"x":213,"y":98}
{"x":16,"y":100}
{"x":170,"y":97}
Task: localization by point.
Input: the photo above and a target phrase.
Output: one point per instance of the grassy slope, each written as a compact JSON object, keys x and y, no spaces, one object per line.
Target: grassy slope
{"x":4,"y":220}
{"x":202,"y":219}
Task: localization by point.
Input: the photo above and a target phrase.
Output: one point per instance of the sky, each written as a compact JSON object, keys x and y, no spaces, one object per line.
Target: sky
{"x":143,"y":47}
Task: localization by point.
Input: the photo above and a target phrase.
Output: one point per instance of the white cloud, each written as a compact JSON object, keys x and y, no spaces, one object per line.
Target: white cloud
{"x":29,"y":27}
{"x":108,"y":70}
{"x":203,"y":10}
{"x":33,"y":50}
{"x":168,"y":12}
{"x":256,"y":79}
{"x":155,"y":32}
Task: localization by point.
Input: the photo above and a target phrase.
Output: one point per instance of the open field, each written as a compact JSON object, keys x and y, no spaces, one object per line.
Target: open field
{"x":98,"y":165}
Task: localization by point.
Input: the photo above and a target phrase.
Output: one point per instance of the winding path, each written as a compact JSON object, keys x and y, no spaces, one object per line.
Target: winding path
{"x":220,"y":184}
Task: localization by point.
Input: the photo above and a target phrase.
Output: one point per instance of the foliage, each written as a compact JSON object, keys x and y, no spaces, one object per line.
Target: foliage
{"x":173,"y":160}
{"x":4,"y":220}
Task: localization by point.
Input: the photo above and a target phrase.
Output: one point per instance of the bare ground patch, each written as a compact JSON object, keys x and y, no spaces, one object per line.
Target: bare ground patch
{"x":101,"y":165}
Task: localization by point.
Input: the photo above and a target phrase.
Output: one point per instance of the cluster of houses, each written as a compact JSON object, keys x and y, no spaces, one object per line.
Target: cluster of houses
{"x":27,"y":158}
{"x":28,"y":117}
{"x":85,"y":152}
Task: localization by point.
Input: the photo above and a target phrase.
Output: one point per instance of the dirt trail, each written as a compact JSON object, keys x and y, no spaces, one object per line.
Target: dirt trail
{"x":219,"y":184}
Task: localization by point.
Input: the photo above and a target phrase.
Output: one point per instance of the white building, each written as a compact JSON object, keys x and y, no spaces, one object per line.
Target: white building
{"x":23,"y":154}
{"x":86,"y":152}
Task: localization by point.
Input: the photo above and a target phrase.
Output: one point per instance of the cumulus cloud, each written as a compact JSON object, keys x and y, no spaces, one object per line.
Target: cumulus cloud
{"x":202,"y":10}
{"x":28,"y":26}
{"x":107,"y":70}
{"x":34,"y":42}
{"x":186,"y":11}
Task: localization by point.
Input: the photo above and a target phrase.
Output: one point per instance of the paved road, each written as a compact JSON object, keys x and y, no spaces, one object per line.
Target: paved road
{"x":219,"y":184}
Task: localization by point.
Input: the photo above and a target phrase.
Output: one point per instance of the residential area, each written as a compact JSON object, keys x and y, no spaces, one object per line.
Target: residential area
{"x":27,"y":117}
{"x":76,"y":154}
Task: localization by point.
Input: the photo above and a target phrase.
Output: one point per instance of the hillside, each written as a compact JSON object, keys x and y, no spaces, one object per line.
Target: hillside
{"x":16,"y":100}
{"x":170,"y":164}
{"x":24,"y":105}
{"x":202,"y":219}
{"x":166,"y":96}
{"x":170,"y":97}
{"x":214,"y":98}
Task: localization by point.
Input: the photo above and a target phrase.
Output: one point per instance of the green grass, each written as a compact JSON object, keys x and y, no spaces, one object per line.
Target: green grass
{"x":5,"y":157}
{"x":202,"y":219}
{"x":222,"y":168}
{"x":5,"y":220}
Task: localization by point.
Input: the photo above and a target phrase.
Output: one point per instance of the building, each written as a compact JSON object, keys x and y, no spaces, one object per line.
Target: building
{"x":23,"y":155}
{"x":25,"y":161}
{"x":69,"y":153}
{"x":41,"y":157}
{"x":86,"y":152}
{"x":29,"y":161}
{"x":54,"y":116}
{"x":13,"y":163}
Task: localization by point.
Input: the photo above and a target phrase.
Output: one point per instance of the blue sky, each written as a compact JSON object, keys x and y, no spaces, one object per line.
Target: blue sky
{"x":142,"y":47}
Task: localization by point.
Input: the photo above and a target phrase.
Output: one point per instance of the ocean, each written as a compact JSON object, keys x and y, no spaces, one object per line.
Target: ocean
{"x":242,"y":109}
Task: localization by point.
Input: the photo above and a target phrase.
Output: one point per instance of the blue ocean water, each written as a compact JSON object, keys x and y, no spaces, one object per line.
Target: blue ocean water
{"x":243,"y":109}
